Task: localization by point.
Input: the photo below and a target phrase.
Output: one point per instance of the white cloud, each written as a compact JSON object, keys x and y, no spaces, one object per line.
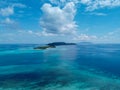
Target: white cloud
{"x":62,"y":2}
{"x":8,"y":21}
{"x":20,"y":5}
{"x":9,"y":24}
{"x":110,"y":37}
{"x":38,"y":33}
{"x":98,"y":14}
{"x":91,"y":5}
{"x":85,"y":37}
{"x":97,"y":4}
{"x":43,"y":33}
{"x":7,"y":11}
{"x":58,"y":2}
{"x":111,"y":34}
{"x":8,"y":8}
{"x":58,"y":20}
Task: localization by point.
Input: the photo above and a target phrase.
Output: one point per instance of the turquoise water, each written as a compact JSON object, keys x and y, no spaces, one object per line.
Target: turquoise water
{"x":80,"y":67}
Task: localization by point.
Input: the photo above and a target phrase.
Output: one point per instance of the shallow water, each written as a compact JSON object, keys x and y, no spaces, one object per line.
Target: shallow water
{"x":80,"y":67}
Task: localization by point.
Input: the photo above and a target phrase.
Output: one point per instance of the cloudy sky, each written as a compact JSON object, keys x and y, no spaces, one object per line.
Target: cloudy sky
{"x":42,"y":21}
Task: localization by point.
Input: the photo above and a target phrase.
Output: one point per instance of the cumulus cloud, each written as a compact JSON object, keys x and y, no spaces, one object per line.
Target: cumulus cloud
{"x":98,"y":14}
{"x":8,"y":21}
{"x":39,"y":33}
{"x":58,"y":20}
{"x":109,"y":35}
{"x":97,"y":4}
{"x":85,"y":37}
{"x":62,"y":2}
{"x":8,"y":24}
{"x":7,"y":11}
{"x":91,"y":5}
{"x":20,"y":5}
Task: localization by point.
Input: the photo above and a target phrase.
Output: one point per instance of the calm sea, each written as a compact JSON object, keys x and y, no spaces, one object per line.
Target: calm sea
{"x":74,"y":67}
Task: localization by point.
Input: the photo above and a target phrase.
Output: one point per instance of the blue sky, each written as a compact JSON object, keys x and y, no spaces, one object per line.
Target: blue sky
{"x":43,"y":21}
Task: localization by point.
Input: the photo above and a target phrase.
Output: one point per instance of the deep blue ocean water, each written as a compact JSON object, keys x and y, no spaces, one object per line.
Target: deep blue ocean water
{"x":74,"y":67}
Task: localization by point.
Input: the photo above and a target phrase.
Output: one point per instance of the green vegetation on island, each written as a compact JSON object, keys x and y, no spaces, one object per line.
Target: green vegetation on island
{"x":60,"y":43}
{"x":53,"y":45}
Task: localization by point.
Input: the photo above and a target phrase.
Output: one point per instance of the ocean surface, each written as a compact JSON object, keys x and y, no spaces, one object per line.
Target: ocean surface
{"x":74,"y":67}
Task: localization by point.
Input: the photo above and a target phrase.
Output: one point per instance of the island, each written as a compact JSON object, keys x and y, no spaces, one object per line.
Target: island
{"x":60,"y":43}
{"x":53,"y":45}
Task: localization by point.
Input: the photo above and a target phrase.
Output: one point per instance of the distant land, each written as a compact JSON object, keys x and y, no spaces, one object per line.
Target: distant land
{"x":60,"y":43}
{"x":85,"y":43}
{"x":53,"y":45}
